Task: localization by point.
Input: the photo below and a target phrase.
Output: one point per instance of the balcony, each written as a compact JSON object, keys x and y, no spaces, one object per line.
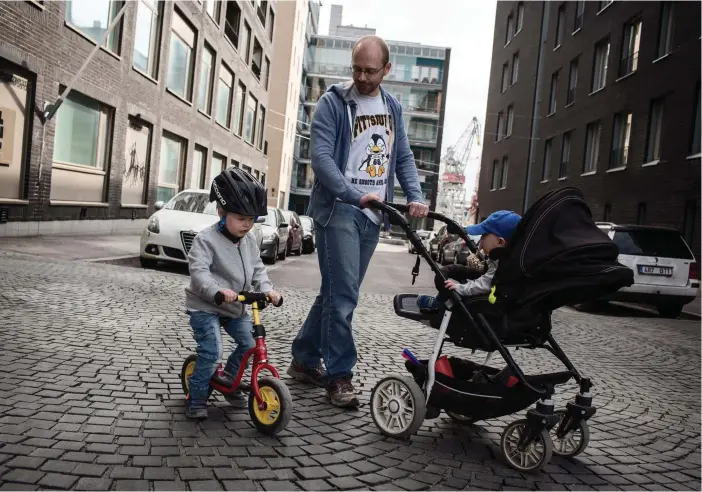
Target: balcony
{"x":628,"y":64}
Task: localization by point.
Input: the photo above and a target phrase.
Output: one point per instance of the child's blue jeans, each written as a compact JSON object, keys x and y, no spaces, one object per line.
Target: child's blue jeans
{"x":207,"y":334}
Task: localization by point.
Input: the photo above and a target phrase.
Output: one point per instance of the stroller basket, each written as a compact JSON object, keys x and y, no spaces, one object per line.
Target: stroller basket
{"x":482,"y":392}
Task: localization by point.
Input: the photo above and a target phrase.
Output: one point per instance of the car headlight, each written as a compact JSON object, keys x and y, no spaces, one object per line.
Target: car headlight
{"x":269,"y":238}
{"x":153,"y":225}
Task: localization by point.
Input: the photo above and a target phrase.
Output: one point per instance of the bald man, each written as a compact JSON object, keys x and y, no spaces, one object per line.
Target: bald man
{"x":359,"y":145}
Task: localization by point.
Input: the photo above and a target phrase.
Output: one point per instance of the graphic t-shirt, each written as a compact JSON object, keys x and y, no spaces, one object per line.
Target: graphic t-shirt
{"x":371,"y":142}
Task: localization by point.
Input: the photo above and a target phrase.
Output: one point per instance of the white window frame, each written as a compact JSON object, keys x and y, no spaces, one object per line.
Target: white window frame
{"x":226,"y":78}
{"x":115,"y":37}
{"x":181,"y":163}
{"x":208,"y":83}
{"x":156,"y":9}
{"x":181,"y":30}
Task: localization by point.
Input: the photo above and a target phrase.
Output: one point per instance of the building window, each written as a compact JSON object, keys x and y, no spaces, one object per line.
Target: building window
{"x":500,"y":126}
{"x":689,"y":222}
{"x":546,"y":170}
{"x":246,"y":43}
{"x":224,"y":96}
{"x":217,"y":165}
{"x":599,"y":71}
{"x":579,"y":10}
{"x":505,"y":77}
{"x":207,"y":68}
{"x":170,"y":167}
{"x":505,"y":168}
{"x":510,"y":29}
{"x":271,"y":25}
{"x":250,"y":119}
{"x":515,"y":68}
{"x":147,"y":37}
{"x":607,"y":216}
{"x":214,"y":8}
{"x":257,"y":59}
{"x":565,"y":156}
{"x":92,"y":17}
{"x":572,"y":81}
{"x":560,"y":25}
{"x":135,"y":173}
{"x":235,"y":163}
{"x":263,"y":179}
{"x":246,"y":168}
{"x":265,"y":72}
{"x":495,"y":175}
{"x":620,"y":141}
{"x":641,"y":214}
{"x":655,"y":126}
{"x":630,"y":48}
{"x":16,"y":110}
{"x":181,"y":59}
{"x":197,"y":174}
{"x":695,"y":140}
{"x":261,"y":124}
{"x":592,"y":147}
{"x":232,"y":21}
{"x":554,"y":94}
{"x":239,"y":108}
{"x":520,"y":16}
{"x":665,"y":33}
{"x":510,"y":120}
{"x":82,"y":132}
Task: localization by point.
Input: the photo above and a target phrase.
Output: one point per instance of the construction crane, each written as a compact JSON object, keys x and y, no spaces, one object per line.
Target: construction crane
{"x":452,"y":195}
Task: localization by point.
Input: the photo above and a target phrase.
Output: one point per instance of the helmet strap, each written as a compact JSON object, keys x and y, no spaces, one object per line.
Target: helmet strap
{"x":221,"y":227}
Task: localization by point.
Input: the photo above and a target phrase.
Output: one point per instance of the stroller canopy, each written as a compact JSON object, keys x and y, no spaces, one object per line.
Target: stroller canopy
{"x":558,"y":256}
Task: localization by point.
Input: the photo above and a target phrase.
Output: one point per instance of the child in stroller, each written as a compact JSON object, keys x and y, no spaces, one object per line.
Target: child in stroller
{"x":466,"y":280}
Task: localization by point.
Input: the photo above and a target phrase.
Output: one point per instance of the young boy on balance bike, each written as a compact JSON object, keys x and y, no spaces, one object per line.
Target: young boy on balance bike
{"x":224,"y":258}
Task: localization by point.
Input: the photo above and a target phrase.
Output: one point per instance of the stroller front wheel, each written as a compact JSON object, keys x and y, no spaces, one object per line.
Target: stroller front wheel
{"x":534,"y":456}
{"x":574,"y":442}
{"x":397,"y":406}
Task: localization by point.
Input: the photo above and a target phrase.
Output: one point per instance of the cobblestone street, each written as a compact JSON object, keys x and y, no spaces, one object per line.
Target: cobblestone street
{"x":91,"y":354}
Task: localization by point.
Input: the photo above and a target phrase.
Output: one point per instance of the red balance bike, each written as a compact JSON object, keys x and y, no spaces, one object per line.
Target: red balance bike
{"x":270,"y":403}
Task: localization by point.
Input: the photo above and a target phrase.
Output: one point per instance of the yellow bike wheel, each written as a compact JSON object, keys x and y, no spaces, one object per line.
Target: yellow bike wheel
{"x":187,"y":371}
{"x":278,"y":406}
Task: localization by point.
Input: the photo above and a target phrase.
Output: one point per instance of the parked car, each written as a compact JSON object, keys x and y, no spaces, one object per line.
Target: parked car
{"x":170,"y":231}
{"x":665,"y":270}
{"x":295,"y":236}
{"x":457,"y":251}
{"x":309,"y":243}
{"x":424,"y":236}
{"x":275,"y":236}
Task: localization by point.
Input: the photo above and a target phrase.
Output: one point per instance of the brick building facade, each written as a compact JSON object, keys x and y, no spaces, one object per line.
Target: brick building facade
{"x":617,"y":110}
{"x":158,"y":109}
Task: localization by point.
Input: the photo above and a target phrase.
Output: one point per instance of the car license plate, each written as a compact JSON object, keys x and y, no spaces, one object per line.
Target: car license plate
{"x":656,"y":270}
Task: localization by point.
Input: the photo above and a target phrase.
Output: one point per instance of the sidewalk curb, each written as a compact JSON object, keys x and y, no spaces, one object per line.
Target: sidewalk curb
{"x":114,"y":259}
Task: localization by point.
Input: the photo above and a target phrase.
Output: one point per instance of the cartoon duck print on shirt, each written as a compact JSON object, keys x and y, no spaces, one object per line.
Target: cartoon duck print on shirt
{"x":376,"y":158}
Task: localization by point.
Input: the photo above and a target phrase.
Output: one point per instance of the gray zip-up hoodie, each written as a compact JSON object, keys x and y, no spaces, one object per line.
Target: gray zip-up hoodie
{"x":216,"y":263}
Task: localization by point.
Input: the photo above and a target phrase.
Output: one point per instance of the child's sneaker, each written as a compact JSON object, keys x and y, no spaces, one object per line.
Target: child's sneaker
{"x":196,"y":409}
{"x":427,"y":303}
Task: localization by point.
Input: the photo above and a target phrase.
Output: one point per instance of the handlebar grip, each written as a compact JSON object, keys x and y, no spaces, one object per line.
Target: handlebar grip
{"x":218,"y":298}
{"x":280,"y":302}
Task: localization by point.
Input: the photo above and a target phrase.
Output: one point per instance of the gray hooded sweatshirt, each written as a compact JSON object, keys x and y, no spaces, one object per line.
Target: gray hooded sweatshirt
{"x":216,"y":263}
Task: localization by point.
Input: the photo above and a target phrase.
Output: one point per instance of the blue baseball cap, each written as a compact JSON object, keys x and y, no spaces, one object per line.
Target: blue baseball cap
{"x":501,"y":223}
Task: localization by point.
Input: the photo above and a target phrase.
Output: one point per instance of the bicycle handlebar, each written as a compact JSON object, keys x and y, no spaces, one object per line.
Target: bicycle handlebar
{"x":249,"y":298}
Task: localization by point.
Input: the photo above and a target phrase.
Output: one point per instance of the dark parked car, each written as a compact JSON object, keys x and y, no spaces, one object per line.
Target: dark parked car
{"x":308,"y":230}
{"x":295,"y":236}
{"x":274,"y":244}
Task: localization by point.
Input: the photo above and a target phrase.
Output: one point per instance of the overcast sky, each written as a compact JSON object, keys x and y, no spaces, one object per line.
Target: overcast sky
{"x":465,"y":26}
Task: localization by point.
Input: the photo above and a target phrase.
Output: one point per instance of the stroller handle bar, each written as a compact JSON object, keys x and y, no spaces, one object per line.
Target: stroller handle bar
{"x":397,"y":209}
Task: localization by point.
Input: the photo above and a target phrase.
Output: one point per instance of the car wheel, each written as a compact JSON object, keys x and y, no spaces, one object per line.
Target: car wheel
{"x":147,"y":262}
{"x":671,"y":311}
{"x":274,"y":256}
{"x":284,"y":254}
{"x":299,"y":250}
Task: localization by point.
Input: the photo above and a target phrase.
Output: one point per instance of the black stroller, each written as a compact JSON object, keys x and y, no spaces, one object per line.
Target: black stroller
{"x":557,"y":256}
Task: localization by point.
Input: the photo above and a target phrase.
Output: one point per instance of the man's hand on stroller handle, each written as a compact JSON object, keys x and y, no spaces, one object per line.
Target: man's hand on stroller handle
{"x":244,"y":297}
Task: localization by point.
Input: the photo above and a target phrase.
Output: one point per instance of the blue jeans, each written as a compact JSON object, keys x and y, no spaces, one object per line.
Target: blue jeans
{"x":344,"y":249}
{"x":208,"y":336}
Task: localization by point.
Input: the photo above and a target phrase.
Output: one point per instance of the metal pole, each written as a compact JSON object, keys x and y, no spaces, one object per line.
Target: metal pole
{"x":51,"y":109}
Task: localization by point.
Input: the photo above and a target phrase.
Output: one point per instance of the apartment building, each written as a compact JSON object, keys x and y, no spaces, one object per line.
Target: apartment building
{"x":603,"y":96}
{"x":284,"y":99}
{"x":177,"y":91}
{"x":418,"y":80}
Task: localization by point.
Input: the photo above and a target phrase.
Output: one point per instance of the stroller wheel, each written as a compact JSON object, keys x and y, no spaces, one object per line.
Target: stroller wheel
{"x":461,"y":419}
{"x":573,"y":443}
{"x":534,"y":456}
{"x":397,"y":406}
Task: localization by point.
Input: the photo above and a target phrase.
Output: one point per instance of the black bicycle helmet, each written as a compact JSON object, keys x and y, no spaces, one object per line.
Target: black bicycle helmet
{"x":238,"y":192}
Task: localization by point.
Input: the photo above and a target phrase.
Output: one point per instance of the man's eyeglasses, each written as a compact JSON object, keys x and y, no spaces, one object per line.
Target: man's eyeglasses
{"x":368,"y":71}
